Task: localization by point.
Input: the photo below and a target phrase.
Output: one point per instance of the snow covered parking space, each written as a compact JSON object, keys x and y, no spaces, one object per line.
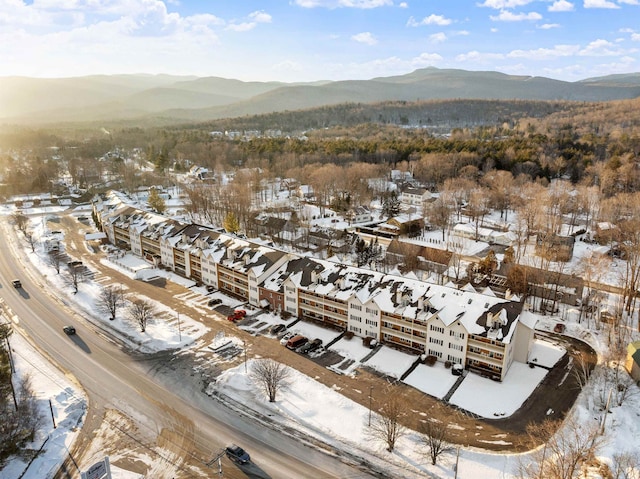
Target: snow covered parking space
{"x":434,"y":380}
{"x":545,"y":353}
{"x":391,"y":362}
{"x":492,"y":399}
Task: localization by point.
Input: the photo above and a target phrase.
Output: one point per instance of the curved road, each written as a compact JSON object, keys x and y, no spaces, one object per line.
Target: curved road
{"x":184,"y":420}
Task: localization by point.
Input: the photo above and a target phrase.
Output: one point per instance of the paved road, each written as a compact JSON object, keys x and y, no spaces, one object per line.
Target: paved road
{"x":188,"y":425}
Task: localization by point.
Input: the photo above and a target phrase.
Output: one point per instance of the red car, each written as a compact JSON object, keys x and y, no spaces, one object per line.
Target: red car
{"x":237,"y":315}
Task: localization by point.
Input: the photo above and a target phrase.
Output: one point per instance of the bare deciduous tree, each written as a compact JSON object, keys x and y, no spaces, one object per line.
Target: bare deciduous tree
{"x":386,"y":425}
{"x":54,"y":259}
{"x":20,"y":220}
{"x":435,"y":436}
{"x":565,"y":451}
{"x":626,"y":465}
{"x":270,"y":375}
{"x":140,"y":312}
{"x":110,"y":301}
{"x":31,"y":241}
{"x":582,"y":370}
{"x":75,"y":276}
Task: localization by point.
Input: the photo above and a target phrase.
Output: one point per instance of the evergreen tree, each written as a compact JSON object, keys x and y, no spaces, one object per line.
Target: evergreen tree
{"x":155,"y":201}
{"x":391,"y":205}
{"x":231,"y":223}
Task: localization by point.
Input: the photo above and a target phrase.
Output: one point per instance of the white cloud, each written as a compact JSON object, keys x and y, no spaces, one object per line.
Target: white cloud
{"x":480,"y":57}
{"x":600,"y":48}
{"x":561,"y":6}
{"x":493,"y":30}
{"x":546,"y":53}
{"x":635,"y":37}
{"x":630,"y":2}
{"x":331,"y":4}
{"x":437,"y":37}
{"x":507,"y":16}
{"x":462,"y":33}
{"x":403,"y":5}
{"x":365,"y":37}
{"x":255,"y":17}
{"x":425,"y":59}
{"x":501,"y":4}
{"x":549,"y":26}
{"x":260,"y":17}
{"x":599,"y":4}
{"x":430,"y":20}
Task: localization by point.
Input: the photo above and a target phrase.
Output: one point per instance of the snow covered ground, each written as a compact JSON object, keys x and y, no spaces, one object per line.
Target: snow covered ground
{"x":312,"y":407}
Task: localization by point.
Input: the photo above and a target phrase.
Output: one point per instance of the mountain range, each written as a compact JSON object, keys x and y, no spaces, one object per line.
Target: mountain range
{"x":189,"y":98}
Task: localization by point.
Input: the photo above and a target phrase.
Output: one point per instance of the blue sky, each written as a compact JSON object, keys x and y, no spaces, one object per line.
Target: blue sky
{"x":308,"y":40}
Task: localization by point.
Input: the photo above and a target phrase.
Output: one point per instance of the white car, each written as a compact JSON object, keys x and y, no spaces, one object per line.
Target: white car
{"x":286,"y":338}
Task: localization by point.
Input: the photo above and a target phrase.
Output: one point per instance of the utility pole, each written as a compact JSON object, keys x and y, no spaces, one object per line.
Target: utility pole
{"x":370,"y":398}
{"x":244,"y":342}
{"x":455,"y":468}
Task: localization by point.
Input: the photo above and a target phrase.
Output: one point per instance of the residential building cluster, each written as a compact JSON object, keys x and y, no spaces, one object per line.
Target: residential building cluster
{"x":481,"y":331}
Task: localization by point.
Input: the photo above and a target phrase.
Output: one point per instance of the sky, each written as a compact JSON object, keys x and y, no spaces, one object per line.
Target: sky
{"x":312,"y":40}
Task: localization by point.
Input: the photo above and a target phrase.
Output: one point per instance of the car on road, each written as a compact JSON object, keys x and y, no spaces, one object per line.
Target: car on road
{"x":69,"y":330}
{"x":237,"y":454}
{"x":17,"y":283}
{"x":214,"y":301}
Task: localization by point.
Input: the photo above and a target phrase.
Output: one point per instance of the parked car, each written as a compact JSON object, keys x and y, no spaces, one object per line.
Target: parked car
{"x":286,"y":337}
{"x":214,"y":301}
{"x":69,"y":330}
{"x":237,"y":315}
{"x":237,"y":454}
{"x":457,"y":369}
{"x":17,"y":283}
{"x":310,"y":346}
{"x":210,"y":288}
{"x":297,"y":341}
{"x":277,"y":328}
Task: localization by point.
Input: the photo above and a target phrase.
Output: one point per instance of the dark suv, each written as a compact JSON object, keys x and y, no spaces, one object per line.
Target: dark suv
{"x":237,"y":454}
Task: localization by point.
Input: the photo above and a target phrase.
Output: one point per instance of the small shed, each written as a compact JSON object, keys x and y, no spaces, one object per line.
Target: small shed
{"x":632,"y":364}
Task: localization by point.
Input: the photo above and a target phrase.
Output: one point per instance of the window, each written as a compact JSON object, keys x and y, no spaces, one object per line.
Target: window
{"x":356,"y":318}
{"x":456,"y":347}
{"x":437,"y":354}
{"x":373,"y":312}
{"x":357,"y":307}
{"x":437,"y":341}
{"x":437,"y":329}
{"x":371,"y":322}
{"x":454,"y":359}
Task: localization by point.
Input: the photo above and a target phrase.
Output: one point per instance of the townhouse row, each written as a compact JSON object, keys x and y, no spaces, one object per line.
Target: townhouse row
{"x":478,"y":330}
